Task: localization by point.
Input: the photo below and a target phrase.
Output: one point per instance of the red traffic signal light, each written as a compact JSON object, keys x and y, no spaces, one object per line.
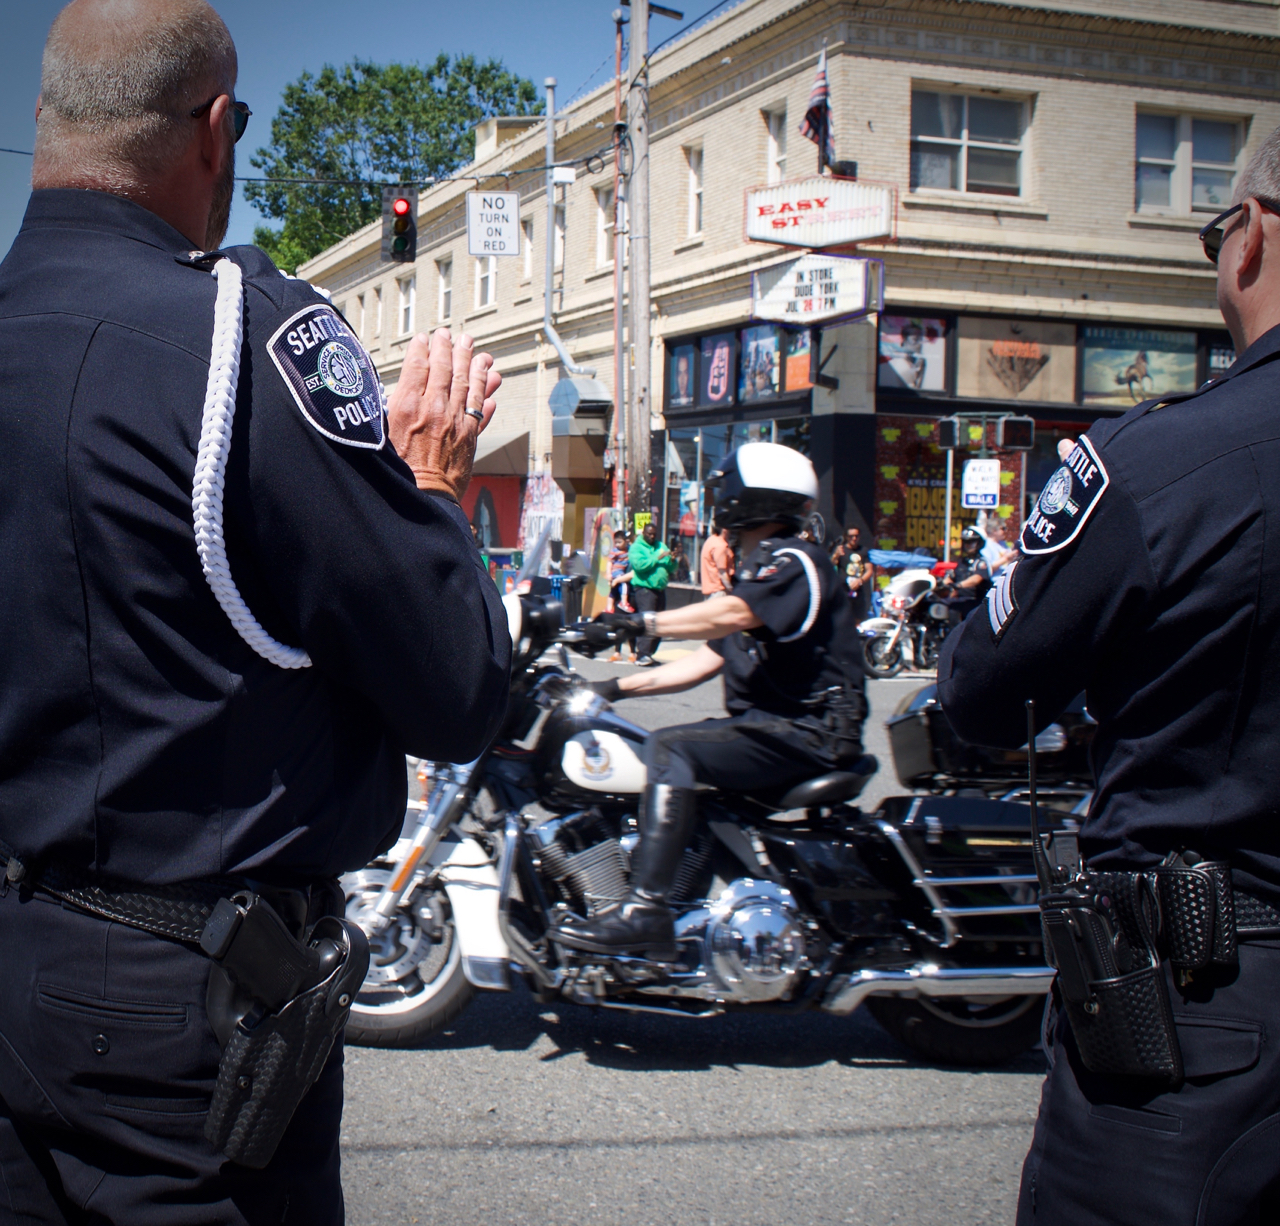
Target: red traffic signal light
{"x":399,"y":225}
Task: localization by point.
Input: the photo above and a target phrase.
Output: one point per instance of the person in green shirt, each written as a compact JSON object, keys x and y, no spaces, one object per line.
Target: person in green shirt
{"x":652,"y":566}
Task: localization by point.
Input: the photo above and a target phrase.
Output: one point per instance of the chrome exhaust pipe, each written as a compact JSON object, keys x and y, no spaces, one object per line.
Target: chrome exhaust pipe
{"x":928,"y":979}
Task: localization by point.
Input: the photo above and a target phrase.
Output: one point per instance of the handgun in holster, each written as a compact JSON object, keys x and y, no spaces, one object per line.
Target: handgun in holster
{"x":276,"y":1003}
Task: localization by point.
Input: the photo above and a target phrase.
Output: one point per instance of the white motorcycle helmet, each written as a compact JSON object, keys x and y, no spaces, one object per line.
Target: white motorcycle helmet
{"x":763,"y":483}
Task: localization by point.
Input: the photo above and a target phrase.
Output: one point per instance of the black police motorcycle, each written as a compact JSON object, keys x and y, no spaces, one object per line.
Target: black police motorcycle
{"x":785,"y":901}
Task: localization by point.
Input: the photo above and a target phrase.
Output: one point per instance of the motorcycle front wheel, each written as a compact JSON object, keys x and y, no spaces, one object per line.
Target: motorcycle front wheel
{"x":964,"y":1030}
{"x":881,"y":659}
{"x":415,"y":985}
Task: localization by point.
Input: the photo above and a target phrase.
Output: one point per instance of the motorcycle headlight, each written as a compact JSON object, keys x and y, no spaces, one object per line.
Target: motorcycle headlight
{"x":939,"y":611}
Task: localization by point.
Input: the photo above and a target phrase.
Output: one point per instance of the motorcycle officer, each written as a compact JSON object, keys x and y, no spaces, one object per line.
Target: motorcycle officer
{"x":970,"y":581}
{"x":786,"y":642}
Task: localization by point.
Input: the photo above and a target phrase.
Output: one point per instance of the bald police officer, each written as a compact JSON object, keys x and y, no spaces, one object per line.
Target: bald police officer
{"x":1150,"y":578}
{"x":189,"y":713}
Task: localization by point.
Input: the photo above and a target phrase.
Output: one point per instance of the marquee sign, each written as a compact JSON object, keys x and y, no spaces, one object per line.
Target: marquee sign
{"x":820,"y":212}
{"x":818,"y":288}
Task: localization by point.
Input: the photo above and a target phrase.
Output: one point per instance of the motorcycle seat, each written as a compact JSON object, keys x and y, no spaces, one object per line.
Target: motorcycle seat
{"x":831,"y":788}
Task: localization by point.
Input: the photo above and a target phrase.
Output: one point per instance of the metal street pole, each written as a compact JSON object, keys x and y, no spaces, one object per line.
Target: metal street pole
{"x":946,"y":531}
{"x":619,"y":253}
{"x":638,"y":432}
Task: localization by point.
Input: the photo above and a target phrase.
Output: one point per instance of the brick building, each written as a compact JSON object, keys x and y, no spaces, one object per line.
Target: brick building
{"x":1052,"y":161}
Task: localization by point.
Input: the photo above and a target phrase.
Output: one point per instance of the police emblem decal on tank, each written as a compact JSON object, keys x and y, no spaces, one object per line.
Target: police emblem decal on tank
{"x":1066,"y":502}
{"x":332,"y":379}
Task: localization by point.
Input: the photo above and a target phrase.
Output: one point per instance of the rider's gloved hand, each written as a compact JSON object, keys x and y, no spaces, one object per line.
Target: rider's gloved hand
{"x":609,"y":690}
{"x":631,"y":624}
{"x":596,"y":635}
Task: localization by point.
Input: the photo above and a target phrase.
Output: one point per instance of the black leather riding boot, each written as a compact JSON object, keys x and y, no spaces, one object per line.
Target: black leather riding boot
{"x":642,"y":922}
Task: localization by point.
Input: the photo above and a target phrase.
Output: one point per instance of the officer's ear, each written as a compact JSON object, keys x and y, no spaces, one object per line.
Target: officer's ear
{"x":215,"y":141}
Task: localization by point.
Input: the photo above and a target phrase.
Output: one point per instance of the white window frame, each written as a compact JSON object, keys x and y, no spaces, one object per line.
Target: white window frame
{"x":775,"y":135}
{"x":486,"y":281}
{"x":964,"y":144}
{"x":694,"y":176}
{"x":527,"y":239}
{"x":408,"y":290}
{"x":1183,"y":164}
{"x":604,"y":226}
{"x":561,"y":222}
{"x":444,"y":289}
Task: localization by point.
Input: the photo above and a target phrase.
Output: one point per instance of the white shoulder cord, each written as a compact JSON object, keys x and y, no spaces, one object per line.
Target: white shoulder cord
{"x":211,"y":463}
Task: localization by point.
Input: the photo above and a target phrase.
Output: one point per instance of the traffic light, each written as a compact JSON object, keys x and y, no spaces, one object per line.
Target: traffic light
{"x":949,"y":433}
{"x":400,"y":224}
{"x":1015,"y":433}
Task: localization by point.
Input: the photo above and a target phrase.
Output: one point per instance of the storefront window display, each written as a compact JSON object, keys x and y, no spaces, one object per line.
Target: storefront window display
{"x":1015,"y":359}
{"x":1123,"y":366}
{"x":913,"y":353}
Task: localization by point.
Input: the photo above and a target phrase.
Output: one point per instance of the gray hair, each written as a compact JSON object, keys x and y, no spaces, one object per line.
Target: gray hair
{"x":1261,"y":177}
{"x":118,"y":83}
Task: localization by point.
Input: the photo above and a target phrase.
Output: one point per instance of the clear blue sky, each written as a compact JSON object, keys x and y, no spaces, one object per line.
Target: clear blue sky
{"x":276,"y":41}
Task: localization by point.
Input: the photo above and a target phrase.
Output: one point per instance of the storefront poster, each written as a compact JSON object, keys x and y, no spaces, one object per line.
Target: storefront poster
{"x":760,"y":364}
{"x":682,"y":367}
{"x":1123,"y":366}
{"x":716,"y":373}
{"x":543,"y":503}
{"x":911,"y":487}
{"x":798,"y":347}
{"x":598,"y":546}
{"x":1016,"y":359}
{"x":913,"y":353}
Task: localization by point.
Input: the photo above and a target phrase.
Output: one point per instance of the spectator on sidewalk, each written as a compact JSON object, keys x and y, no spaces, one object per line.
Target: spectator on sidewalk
{"x":652,"y":566}
{"x":996,"y":552}
{"x":717,"y":565}
{"x":854,"y":565}
{"x":620,"y":578}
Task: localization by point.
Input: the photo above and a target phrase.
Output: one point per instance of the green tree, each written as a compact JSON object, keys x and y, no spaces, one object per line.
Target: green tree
{"x":392,"y":123}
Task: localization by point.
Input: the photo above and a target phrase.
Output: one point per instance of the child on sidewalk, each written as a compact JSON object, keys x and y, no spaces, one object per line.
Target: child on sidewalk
{"x":620,"y":576}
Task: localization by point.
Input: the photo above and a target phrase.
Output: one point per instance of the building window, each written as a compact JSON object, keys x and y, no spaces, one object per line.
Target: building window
{"x":559,"y":238}
{"x":693,"y":155}
{"x":968,"y":144}
{"x":486,"y":280}
{"x":408,"y":292}
{"x":377,"y":310}
{"x":1184,"y":164}
{"x":444,"y":279}
{"x":604,"y":226}
{"x":527,"y":227}
{"x":360,"y":317}
{"x":776,"y":145}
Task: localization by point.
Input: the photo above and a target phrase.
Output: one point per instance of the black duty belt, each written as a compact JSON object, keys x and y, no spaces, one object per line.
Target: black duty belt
{"x":285,"y":971}
{"x":1254,"y":917}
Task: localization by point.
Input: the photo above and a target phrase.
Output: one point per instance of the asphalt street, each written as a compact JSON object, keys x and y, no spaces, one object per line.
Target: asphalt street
{"x":559,"y":1115}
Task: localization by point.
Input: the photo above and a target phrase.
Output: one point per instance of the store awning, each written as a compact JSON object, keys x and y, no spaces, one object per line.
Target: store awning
{"x":503,"y":451}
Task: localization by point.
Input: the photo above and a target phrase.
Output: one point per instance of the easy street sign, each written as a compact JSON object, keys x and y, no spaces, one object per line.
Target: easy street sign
{"x":493,"y":223}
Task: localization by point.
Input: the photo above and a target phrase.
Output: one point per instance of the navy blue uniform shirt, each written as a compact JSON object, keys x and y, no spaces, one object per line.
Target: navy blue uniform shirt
{"x":1151,"y":580}
{"x":139,"y":735}
{"x":809,"y":641}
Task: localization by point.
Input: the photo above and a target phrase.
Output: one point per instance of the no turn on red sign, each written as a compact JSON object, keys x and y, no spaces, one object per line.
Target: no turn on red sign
{"x":493,"y":223}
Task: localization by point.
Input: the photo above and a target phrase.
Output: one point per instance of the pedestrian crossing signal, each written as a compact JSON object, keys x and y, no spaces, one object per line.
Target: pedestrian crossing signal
{"x":949,"y":433}
{"x":1015,"y":433}
{"x":399,"y":224}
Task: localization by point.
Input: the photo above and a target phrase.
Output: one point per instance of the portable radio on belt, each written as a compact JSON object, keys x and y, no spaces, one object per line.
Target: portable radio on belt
{"x":1100,"y":932}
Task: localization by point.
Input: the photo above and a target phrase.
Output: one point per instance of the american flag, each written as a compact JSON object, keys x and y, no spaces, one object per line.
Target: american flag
{"x":816,"y":124}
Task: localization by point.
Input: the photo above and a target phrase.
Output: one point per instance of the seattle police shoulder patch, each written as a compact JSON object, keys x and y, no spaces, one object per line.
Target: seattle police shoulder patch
{"x":330,"y":376}
{"x":1066,"y":502}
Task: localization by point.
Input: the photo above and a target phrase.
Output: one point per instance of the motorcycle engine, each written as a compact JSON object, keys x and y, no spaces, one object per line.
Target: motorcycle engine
{"x":754,"y":942}
{"x":583,"y":854}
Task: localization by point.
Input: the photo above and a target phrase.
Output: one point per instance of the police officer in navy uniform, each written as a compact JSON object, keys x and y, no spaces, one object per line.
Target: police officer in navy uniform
{"x":786,"y":641}
{"x":969,"y":580}
{"x":1151,"y":580}
{"x":151,"y":749}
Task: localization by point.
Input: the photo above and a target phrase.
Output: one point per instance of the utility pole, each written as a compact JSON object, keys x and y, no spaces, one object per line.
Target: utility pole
{"x":638,"y":430}
{"x":621,"y":457}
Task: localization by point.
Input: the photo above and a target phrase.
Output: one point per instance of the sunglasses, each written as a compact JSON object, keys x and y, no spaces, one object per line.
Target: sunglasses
{"x":240,"y":113}
{"x":1213,"y":235}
